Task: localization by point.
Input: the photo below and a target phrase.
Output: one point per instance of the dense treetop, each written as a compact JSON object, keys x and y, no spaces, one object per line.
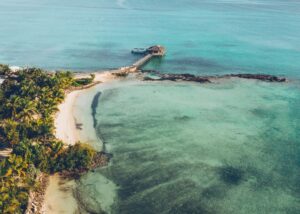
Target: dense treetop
{"x":29,"y":99}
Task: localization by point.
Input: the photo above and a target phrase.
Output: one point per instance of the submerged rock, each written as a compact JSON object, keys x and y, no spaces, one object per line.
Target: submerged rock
{"x":182,"y":118}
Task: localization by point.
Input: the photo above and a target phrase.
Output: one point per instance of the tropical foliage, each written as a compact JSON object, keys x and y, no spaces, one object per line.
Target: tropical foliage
{"x":4,"y":69}
{"x":84,"y":81}
{"x":29,"y":99}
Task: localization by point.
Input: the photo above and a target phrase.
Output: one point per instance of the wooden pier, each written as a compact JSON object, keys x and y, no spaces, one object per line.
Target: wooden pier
{"x":148,"y":54}
{"x":142,"y":61}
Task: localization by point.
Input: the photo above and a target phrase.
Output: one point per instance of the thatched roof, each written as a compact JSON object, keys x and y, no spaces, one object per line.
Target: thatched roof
{"x":157,"y":49}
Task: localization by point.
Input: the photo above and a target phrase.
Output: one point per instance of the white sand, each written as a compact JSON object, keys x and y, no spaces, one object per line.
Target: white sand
{"x":82,"y":112}
{"x":65,"y":128}
{"x":59,"y":194}
{"x":65,"y":124}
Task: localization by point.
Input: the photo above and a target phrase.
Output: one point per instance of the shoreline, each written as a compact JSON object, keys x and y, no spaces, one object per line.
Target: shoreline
{"x":65,"y":122}
{"x":59,"y":191}
{"x":70,"y":127}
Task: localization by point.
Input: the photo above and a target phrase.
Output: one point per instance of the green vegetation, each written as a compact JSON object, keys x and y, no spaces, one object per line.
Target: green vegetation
{"x":29,"y":99}
{"x":4,"y":69}
{"x":84,"y":81}
{"x":77,"y":157}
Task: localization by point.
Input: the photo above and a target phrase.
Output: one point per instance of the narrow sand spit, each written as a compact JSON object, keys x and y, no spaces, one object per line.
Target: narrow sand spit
{"x":59,"y":194}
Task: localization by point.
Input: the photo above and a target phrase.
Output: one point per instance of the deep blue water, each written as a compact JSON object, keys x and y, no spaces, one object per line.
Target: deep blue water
{"x":201,"y":36}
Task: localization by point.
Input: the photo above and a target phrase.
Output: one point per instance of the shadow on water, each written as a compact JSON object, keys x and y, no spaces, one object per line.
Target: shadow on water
{"x":94,"y":106}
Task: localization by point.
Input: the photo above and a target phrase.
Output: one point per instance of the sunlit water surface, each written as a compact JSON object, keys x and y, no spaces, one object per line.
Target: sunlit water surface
{"x":201,"y":36}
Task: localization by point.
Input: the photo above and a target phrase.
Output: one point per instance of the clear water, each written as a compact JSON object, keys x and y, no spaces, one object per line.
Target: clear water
{"x":201,"y":36}
{"x":231,"y":147}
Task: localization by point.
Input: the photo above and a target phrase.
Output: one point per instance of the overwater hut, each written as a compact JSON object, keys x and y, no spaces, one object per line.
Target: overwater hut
{"x":156,"y":50}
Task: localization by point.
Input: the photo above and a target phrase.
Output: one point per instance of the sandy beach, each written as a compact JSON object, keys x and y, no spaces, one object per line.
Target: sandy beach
{"x":65,"y":123}
{"x":59,"y":193}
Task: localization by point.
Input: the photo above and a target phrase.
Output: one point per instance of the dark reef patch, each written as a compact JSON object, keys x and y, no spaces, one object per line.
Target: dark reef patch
{"x":231,"y":175}
{"x":182,"y":118}
{"x":259,"y":112}
{"x":157,"y":200}
{"x":149,"y":178}
{"x":94,"y":107}
{"x":190,"y":207}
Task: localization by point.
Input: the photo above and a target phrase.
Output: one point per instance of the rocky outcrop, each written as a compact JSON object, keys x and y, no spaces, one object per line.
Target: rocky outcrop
{"x":177,"y":77}
{"x":262,"y":77}
{"x":101,"y":159}
{"x":209,"y":79}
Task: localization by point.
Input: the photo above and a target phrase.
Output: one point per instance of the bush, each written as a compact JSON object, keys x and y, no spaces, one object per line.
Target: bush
{"x":77,"y":157}
{"x":84,"y":81}
{"x":4,"y":69}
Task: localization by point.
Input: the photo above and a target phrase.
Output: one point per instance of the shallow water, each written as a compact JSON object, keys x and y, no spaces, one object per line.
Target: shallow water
{"x":202,"y":37}
{"x":231,"y":147}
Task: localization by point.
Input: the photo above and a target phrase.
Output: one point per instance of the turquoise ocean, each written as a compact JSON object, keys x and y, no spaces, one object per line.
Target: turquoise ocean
{"x":228,"y":147}
{"x":201,"y":36}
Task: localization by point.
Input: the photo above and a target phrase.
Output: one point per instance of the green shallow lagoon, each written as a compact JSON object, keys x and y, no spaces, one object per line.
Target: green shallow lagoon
{"x":229,"y":147}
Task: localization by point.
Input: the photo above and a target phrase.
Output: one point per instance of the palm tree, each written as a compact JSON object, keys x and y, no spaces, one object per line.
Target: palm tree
{"x":12,"y":106}
{"x":28,"y":111}
{"x":11,"y":133}
{"x":17,"y":165}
